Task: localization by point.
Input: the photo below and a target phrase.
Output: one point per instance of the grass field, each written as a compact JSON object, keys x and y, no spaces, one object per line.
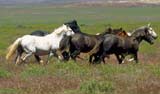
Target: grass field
{"x":79,"y":78}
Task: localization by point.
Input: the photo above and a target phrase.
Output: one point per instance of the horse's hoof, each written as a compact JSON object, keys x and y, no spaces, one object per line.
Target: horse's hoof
{"x":41,"y":62}
{"x":60,"y":57}
{"x":122,"y":62}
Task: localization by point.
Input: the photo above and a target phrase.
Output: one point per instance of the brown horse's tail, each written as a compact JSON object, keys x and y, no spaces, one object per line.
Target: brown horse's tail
{"x":12,"y":48}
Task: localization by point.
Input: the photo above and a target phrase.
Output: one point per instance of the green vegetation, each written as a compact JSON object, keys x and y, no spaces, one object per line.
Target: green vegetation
{"x":9,"y":91}
{"x":34,"y":71}
{"x":79,"y":77}
{"x":4,"y":73}
{"x":96,"y":87}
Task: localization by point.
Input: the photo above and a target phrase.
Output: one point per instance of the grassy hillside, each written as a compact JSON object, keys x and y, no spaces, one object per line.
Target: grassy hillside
{"x":79,"y":77}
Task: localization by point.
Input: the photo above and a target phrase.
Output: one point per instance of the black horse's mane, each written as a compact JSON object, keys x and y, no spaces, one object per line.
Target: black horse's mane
{"x":73,"y":25}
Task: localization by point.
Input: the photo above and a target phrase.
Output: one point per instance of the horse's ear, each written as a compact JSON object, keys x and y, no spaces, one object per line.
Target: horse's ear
{"x":121,"y":28}
{"x":109,"y":29}
{"x":149,"y":25}
{"x":63,"y":25}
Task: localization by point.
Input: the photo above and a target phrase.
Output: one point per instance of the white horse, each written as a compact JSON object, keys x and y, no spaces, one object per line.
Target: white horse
{"x":38,"y":45}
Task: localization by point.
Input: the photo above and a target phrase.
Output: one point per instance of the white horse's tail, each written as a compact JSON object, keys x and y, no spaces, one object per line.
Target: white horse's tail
{"x":12,"y":48}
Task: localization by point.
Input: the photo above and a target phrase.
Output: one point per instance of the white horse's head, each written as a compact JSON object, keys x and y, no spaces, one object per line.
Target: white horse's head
{"x":64,"y":30}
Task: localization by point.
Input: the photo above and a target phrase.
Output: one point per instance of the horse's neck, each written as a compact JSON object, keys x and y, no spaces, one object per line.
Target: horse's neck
{"x":58,"y":30}
{"x":54,"y":35}
{"x":137,"y":36}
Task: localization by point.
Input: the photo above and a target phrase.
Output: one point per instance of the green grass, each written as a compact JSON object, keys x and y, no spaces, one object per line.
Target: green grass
{"x":34,"y":71}
{"x":9,"y":91}
{"x":96,"y":87}
{"x":4,"y":73}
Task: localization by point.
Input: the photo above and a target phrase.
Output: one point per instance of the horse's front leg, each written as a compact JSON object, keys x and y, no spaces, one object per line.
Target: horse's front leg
{"x":59,"y":54}
{"x":49,"y":56}
{"x":75,"y":54}
{"x":65,"y":55}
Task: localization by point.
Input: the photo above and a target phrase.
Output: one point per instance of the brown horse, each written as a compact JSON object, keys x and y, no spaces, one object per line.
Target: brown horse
{"x":119,"y":46}
{"x":85,"y":43}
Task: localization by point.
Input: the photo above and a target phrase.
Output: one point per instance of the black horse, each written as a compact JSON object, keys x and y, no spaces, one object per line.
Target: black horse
{"x":82,"y":42}
{"x":39,"y":33}
{"x":72,"y":24}
{"x":119,"y":46}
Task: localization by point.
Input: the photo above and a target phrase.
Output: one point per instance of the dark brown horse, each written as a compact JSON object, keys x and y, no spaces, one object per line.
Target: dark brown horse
{"x":119,"y":46}
{"x":86,"y":43}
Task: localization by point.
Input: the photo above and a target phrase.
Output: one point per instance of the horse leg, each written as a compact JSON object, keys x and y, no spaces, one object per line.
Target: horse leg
{"x":18,"y":58}
{"x":90,"y":58}
{"x":122,"y":58}
{"x":19,"y":55}
{"x":50,"y":54}
{"x":74,"y":54}
{"x":103,"y":59}
{"x":65,"y":55}
{"x":26,"y":57}
{"x":136,"y":57}
{"x":119,"y":59}
{"x":38,"y":58}
{"x":96,"y":58}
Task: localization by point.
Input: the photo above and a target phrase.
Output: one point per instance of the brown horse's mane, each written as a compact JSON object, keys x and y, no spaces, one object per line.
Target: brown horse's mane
{"x":119,"y":32}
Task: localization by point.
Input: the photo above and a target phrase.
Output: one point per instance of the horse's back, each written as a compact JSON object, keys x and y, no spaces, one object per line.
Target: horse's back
{"x":83,"y":42}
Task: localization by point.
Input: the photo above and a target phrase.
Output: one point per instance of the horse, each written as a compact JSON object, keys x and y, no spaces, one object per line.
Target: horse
{"x":38,"y":45}
{"x":82,"y":42}
{"x":39,"y":33}
{"x":119,"y":46}
{"x":72,"y":24}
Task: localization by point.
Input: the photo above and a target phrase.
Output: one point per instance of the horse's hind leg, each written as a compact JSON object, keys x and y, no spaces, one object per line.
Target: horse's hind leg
{"x":90,"y":58}
{"x":103,"y":59}
{"x":136,"y":57}
{"x":120,"y":59}
{"x":18,"y":58}
{"x":19,"y":55}
{"x":26,"y":57}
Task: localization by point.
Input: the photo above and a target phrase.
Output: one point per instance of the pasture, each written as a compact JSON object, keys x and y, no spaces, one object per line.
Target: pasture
{"x":79,"y":77}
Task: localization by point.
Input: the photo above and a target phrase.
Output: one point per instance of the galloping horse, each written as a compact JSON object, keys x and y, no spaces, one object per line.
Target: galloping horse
{"x":39,"y":33}
{"x":72,"y":24}
{"x":113,"y":44}
{"x":82,"y":42}
{"x":38,"y":45}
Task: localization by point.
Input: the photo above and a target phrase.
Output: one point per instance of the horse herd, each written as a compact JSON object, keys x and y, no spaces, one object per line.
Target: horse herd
{"x":68,"y":41}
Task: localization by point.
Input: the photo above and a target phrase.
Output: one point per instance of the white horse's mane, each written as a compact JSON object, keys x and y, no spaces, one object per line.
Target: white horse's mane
{"x":142,"y":27}
{"x":58,"y":30}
